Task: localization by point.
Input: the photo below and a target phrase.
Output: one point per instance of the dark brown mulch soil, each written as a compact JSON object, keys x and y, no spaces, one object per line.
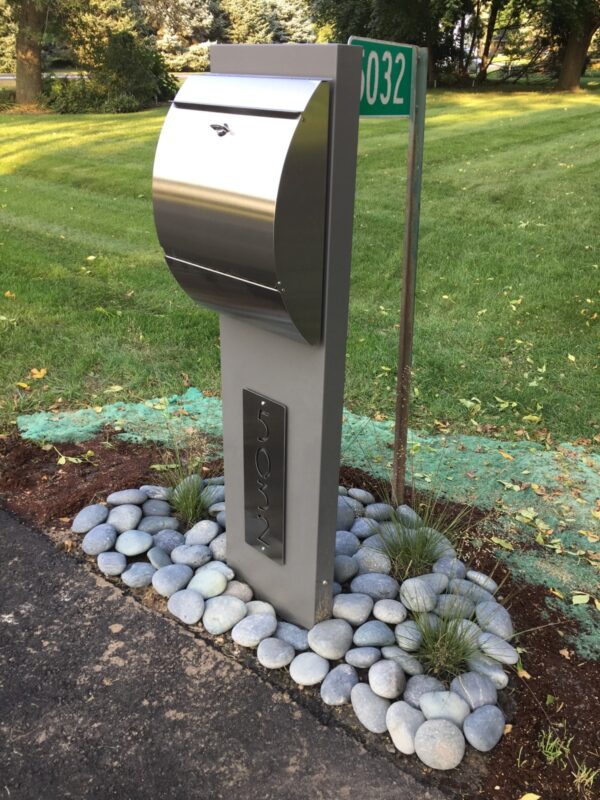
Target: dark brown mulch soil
{"x":557,"y":691}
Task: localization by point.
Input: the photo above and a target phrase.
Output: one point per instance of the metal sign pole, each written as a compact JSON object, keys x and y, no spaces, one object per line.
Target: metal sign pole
{"x":411,"y":243}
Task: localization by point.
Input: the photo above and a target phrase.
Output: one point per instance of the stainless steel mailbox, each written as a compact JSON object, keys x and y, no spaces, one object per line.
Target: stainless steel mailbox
{"x":240,"y":191}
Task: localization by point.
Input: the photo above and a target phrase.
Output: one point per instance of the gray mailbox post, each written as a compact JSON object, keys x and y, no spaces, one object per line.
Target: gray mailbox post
{"x":253,"y":196}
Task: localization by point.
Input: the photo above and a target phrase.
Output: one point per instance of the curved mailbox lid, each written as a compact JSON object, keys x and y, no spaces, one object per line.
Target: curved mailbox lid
{"x":239,"y":190}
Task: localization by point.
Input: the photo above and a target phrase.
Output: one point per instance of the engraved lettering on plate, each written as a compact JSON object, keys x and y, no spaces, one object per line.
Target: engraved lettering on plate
{"x":264,"y":473}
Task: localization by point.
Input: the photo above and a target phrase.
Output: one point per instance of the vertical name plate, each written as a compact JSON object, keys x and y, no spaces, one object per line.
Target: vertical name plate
{"x":264,"y":422}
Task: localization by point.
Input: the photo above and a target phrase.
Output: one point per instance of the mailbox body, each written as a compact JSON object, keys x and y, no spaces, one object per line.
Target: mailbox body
{"x":239,"y":185}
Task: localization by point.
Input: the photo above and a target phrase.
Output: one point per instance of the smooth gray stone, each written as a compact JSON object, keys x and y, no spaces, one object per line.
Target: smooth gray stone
{"x":336,"y":588}
{"x":216,"y":508}
{"x":442,"y":545}
{"x":209,"y":583}
{"x":374,"y":634}
{"x":363,"y":527}
{"x":356,"y":506}
{"x":221,"y":518}
{"x":494,"y":618}
{"x":168,"y":540}
{"x":375,"y":542}
{"x":155,"y":492}
{"x":292,"y":634}
{"x":337,"y":686}
{"x":376,"y":585}
{"x":342,"y":490}
{"x":218,"y":480}
{"x":218,"y":547}
{"x":450,"y":566}
{"x":133,"y":543}
{"x":156,"y":524}
{"x":409,"y":664}
{"x":156,"y":508}
{"x":203,"y":532}
{"x":407,"y":517}
{"x":393,"y":530}
{"x":444,"y":705}
{"x":89,"y":517}
{"x":496,"y":647}
{"x":138,"y":575}
{"x":170,"y":579}
{"x":475,"y":688}
{"x":437,"y":581}
{"x":387,"y":679}
{"x":363,"y":657}
{"x":417,"y":595}
{"x":453,"y":606}
{"x":222,"y":613}
{"x":344,"y":568}
{"x":379,"y":511}
{"x":308,"y":669}
{"x":471,"y":590}
{"x":125,"y":517}
{"x":274,"y":653}
{"x":158,"y":557}
{"x":408,"y":636}
{"x":417,"y":685}
{"x":259,"y":607}
{"x":187,"y":606}
{"x":369,"y":708}
{"x":331,"y":639}
{"x":489,"y":667}
{"x":390,"y":611}
{"x":483,"y":580}
{"x":353,"y":607}
{"x":194,"y":555}
{"x":345,"y":514}
{"x":239,"y":589}
{"x":99,"y":539}
{"x":370,"y":559}
{"x":212,"y":494}
{"x":127,"y":497}
{"x":346,"y":543}
{"x":364,"y":497}
{"x":221,"y":566}
{"x":111,"y":563}
{"x":250,"y":631}
{"x":440,"y":744}
{"x":469,"y":630}
{"x":403,"y":722}
{"x":483,"y":728}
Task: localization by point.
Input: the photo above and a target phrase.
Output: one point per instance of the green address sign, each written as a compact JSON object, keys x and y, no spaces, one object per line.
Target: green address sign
{"x":386,"y":88}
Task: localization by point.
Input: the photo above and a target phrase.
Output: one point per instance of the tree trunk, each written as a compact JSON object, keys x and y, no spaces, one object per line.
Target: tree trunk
{"x":30,"y":29}
{"x":487,"y":45}
{"x":578,"y":43}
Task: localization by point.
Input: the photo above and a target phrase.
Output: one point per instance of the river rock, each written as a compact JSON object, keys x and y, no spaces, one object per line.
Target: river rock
{"x":489,"y":667}
{"x":346,"y":543}
{"x":274,"y":653}
{"x":387,"y":679}
{"x":168,"y":540}
{"x":308,"y":669}
{"x":133,"y":543}
{"x":450,"y":566}
{"x":483,"y":728}
{"x":259,"y":607}
{"x":111,"y":563}
{"x":221,"y":566}
{"x":469,"y":631}
{"x":158,"y":557}
{"x":209,"y":583}
{"x":138,"y":575}
{"x":125,"y":517}
{"x":408,"y":636}
{"x":99,"y":540}
{"x":363,"y":657}
{"x":496,"y":647}
{"x":379,"y":511}
{"x":194,"y":555}
{"x":362,"y":527}
{"x":417,"y":596}
{"x":212,"y":494}
{"x":364,"y":497}
{"x":390,"y":611}
{"x":475,"y":688}
{"x":374,"y":634}
{"x":418,"y":685}
{"x":331,"y":638}
{"x":345,"y":514}
{"x":155,"y":492}
{"x":156,"y":508}
{"x":469,"y":589}
{"x":437,"y":581}
{"x":89,"y":517}
{"x":376,"y":585}
{"x":216,"y":480}
{"x":444,"y":705}
{"x":407,"y":517}
{"x":410,"y":665}
{"x":203,"y":532}
{"x":222,"y":613}
{"x":370,"y":559}
{"x":356,"y":506}
{"x":440,"y":744}
{"x":156,"y":524}
{"x":187,"y":606}
{"x":336,"y":588}
{"x":292,"y":634}
{"x":250,"y":631}
{"x":241,"y":590}
{"x":369,"y":708}
{"x":494,"y":618}
{"x":216,"y":508}
{"x":221,"y":518}
{"x":344,"y":568}
{"x":483,"y":580}
{"x":403,"y":722}
{"x":453,"y":606}
{"x":352,"y":607}
{"x":337,"y":686}
{"x":127,"y":497}
{"x":218,"y":547}
{"x":170,"y":579}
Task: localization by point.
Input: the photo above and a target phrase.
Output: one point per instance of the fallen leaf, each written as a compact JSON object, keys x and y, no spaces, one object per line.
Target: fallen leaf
{"x":597,"y":603}
{"x":557,"y":593}
{"x":503,"y":543}
{"x":522,"y":673}
{"x":570,"y":357}
{"x":504,"y":454}
{"x":97,"y":409}
{"x":113,"y":389}
{"x":580,"y":599}
{"x":530,"y":796}
{"x":38,"y":374}
{"x":25,"y":386}
{"x":507,"y":729}
{"x":565,"y":653}
{"x":10,"y":295}
{"x":91,"y":258}
{"x":531,"y":418}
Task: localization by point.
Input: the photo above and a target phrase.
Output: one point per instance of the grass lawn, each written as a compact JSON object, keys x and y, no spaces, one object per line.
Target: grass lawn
{"x":507,"y":329}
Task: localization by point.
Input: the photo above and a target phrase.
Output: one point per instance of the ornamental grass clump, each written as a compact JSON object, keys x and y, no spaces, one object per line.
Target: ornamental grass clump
{"x":446,"y":646}
{"x":412,"y":551}
{"x":183,"y":470}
